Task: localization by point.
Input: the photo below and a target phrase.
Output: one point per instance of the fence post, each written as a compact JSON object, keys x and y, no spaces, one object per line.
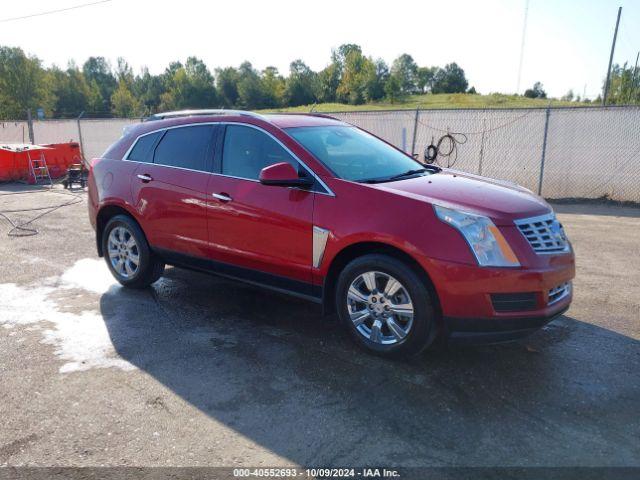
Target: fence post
{"x":544,"y":149}
{"x":30,"y":127}
{"x":80,"y":137}
{"x":415,"y":131}
{"x":484,"y":128}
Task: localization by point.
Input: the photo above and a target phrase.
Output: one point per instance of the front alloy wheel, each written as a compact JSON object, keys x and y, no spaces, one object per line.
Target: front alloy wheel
{"x":386,"y":305}
{"x":380,"y":308}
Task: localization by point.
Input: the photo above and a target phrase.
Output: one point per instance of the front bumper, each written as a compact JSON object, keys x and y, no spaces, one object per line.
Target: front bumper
{"x":465,"y":293}
{"x":475,"y":331}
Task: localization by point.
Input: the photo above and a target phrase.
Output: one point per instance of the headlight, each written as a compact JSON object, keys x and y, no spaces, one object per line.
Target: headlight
{"x":486,"y":242}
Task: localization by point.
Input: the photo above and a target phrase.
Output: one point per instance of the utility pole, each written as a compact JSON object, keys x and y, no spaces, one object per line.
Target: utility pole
{"x":524,"y":34}
{"x":30,"y":126}
{"x":633,"y":78}
{"x":613,"y":47}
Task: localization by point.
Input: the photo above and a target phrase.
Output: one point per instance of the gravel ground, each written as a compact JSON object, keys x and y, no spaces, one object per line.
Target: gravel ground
{"x":203,"y":371}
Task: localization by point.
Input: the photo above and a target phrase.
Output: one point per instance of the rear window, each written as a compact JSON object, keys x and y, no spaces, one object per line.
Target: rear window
{"x":142,"y":150}
{"x":185,"y":147}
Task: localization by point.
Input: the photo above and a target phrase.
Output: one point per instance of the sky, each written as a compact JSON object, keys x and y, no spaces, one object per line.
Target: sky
{"x":567,"y":42}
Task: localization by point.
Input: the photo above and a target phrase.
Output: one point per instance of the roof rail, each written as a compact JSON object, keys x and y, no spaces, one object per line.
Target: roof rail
{"x":323,"y":115}
{"x":308,"y":114}
{"x":194,"y":113}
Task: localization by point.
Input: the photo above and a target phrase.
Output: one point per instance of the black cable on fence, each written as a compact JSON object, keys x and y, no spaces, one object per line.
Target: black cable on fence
{"x":445,"y":147}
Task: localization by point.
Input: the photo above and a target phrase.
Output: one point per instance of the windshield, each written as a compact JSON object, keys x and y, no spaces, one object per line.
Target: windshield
{"x":353,"y":154}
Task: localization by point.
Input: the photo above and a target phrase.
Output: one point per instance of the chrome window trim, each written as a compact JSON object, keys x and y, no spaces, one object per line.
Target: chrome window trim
{"x":542,"y":218}
{"x":327,"y":191}
{"x":170,"y":166}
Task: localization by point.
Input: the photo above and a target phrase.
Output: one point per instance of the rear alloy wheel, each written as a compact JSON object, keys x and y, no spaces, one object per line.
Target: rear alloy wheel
{"x":123,"y":252}
{"x":128,"y":255}
{"x":386,"y":306}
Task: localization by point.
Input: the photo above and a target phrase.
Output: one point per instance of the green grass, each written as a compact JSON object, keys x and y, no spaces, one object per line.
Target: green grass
{"x":443,"y":100}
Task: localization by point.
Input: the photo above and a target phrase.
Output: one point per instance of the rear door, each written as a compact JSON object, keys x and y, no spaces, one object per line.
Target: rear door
{"x":265,"y":230}
{"x":169,"y":188}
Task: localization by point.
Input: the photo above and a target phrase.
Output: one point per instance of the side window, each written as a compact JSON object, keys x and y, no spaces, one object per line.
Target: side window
{"x":185,"y":147}
{"x":246,"y":151}
{"x":142,"y":150}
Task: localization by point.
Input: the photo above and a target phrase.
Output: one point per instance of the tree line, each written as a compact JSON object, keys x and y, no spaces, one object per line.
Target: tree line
{"x":100,"y":89}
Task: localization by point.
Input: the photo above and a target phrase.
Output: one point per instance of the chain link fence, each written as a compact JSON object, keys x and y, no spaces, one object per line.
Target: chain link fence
{"x":94,"y":135}
{"x":582,"y":152}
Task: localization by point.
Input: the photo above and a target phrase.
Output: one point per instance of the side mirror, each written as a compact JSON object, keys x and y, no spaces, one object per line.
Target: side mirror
{"x":283,"y":175}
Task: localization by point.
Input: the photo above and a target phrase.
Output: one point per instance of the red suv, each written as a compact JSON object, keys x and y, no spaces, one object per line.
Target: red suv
{"x":318,"y":208}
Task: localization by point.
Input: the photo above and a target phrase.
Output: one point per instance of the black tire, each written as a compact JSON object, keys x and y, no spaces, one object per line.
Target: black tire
{"x":150,"y":267}
{"x":423,"y":329}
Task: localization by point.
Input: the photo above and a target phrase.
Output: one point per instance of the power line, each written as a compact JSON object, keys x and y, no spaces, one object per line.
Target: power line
{"x":49,"y":12}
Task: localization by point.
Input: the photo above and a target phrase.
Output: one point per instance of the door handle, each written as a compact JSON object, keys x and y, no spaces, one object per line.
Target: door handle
{"x":144,"y":177}
{"x":223,"y":197}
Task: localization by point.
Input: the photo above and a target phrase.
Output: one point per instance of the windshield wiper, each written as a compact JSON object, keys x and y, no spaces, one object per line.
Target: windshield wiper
{"x":408,"y":173}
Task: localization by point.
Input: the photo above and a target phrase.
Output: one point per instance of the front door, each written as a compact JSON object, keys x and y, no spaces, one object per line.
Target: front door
{"x":262,"y":231}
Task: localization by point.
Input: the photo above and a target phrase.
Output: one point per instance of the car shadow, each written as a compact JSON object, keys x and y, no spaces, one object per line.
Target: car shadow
{"x":274,"y":370}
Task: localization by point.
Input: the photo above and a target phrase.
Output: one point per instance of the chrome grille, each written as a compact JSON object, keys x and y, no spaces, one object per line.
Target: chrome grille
{"x":544,"y":233}
{"x":558,"y":293}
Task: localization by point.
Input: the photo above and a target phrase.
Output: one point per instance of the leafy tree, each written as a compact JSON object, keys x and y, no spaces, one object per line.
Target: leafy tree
{"x":71,"y":91}
{"x":425,"y":77}
{"x":227,"y":84}
{"x":202,"y":91}
{"x":301,"y":85}
{"x":250,"y":94}
{"x":351,"y":88}
{"x":339,"y":56}
{"x":176,"y":94}
{"x":405,"y":71}
{"x":124,"y":103}
{"x":375,"y":75}
{"x":625,"y":85}
{"x":22,"y":84}
{"x":124,"y":72}
{"x":329,"y":79}
{"x":537,"y":91}
{"x":188,"y":86}
{"x":273,"y":85}
{"x":328,"y":82}
{"x":97,"y":71}
{"x":351,"y":77}
{"x":393,"y":89}
{"x":362,"y":78}
{"x":148,"y":89}
{"x":450,"y":79}
{"x":568,"y":97}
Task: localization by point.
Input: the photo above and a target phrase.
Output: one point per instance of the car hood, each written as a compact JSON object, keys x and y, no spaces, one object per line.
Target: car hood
{"x":500,"y":200}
